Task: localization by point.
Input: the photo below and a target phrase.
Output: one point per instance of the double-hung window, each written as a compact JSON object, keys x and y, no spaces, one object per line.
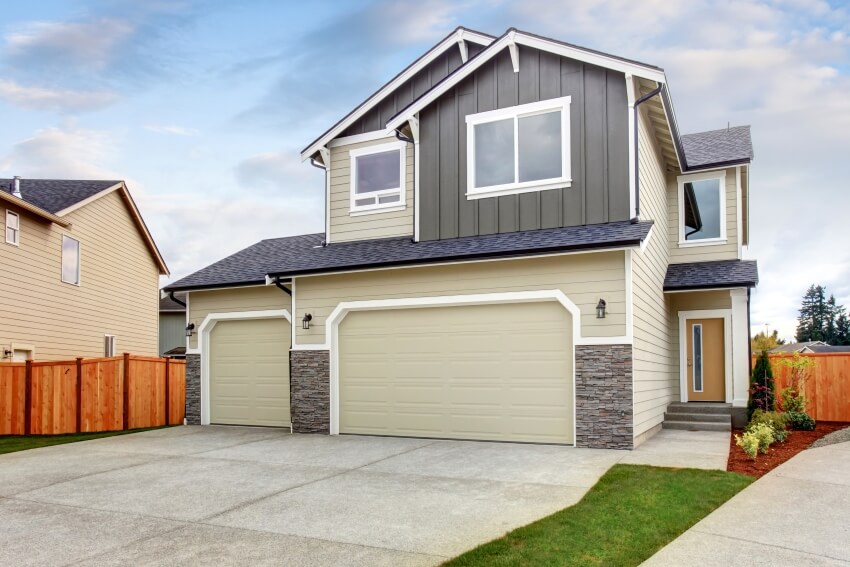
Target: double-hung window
{"x":13,"y":228}
{"x":702,"y":209}
{"x":518,"y":149}
{"x":70,"y":260}
{"x":378,"y":177}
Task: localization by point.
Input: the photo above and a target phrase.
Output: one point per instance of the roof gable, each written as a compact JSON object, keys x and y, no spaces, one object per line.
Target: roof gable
{"x":456,"y":40}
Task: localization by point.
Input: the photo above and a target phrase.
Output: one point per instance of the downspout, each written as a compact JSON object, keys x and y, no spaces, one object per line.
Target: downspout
{"x":749,"y":331}
{"x":175,"y":300}
{"x":638,"y":102}
{"x":280,"y":286}
{"x":323,"y":167}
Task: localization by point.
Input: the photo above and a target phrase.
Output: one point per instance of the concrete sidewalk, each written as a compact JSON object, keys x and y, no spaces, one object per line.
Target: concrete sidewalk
{"x":798,"y":514}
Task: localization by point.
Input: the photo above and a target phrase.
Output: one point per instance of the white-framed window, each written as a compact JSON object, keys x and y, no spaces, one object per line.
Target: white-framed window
{"x":378,"y":177}
{"x":109,"y":348}
{"x":697,"y":362}
{"x":702,"y":208}
{"x":70,"y":260}
{"x":518,"y":149}
{"x":13,"y":228}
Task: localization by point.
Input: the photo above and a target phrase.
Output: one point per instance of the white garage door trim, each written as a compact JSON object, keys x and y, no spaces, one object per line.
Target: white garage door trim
{"x":346,"y":307}
{"x":204,"y":331}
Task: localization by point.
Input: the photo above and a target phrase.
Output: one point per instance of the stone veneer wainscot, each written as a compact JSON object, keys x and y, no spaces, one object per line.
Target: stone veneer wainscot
{"x":604,"y":402}
{"x":310,"y":381}
{"x":193,"y":389}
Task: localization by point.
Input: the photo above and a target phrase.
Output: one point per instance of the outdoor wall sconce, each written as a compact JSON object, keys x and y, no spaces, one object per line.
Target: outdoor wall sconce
{"x":190,"y":329}
{"x":305,"y":322}
{"x":600,"y":309}
{"x":7,"y":353}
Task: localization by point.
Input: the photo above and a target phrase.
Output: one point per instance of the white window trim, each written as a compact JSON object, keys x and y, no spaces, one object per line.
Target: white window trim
{"x":701,"y":357}
{"x":17,"y":241}
{"x":79,"y":281}
{"x":684,"y":316}
{"x":399,"y":205}
{"x":682,"y":179}
{"x":516,"y":112}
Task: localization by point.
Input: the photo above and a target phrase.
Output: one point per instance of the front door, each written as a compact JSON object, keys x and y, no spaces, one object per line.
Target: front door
{"x":706,"y":360}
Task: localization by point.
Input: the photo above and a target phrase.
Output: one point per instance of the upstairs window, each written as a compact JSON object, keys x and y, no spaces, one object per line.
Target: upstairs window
{"x":519,"y":149}
{"x":70,"y":260}
{"x":377,"y":177}
{"x":13,"y":228}
{"x":702,"y":209}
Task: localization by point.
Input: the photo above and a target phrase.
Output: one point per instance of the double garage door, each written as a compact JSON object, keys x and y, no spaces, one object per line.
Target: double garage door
{"x":491,"y":372}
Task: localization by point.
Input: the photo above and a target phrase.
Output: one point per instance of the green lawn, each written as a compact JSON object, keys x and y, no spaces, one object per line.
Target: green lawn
{"x":632,"y":512}
{"x":13,"y":443}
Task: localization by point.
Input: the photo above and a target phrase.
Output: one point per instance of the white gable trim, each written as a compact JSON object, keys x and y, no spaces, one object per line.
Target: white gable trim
{"x":514,"y":37}
{"x":87,"y":200}
{"x":455,"y":40}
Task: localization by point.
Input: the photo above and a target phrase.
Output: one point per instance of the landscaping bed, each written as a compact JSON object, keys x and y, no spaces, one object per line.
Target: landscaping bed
{"x":778,"y":453}
{"x":631,"y":513}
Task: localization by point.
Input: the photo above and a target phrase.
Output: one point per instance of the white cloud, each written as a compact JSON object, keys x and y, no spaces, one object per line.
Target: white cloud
{"x":61,"y":152}
{"x":279,"y":173}
{"x":175,"y":130}
{"x":63,"y":100}
{"x":90,"y":44}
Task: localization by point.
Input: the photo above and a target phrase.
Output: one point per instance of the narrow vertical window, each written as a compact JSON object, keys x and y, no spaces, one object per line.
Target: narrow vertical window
{"x":109,"y":345}
{"x":70,"y":260}
{"x":697,"y":358}
{"x":13,"y":228}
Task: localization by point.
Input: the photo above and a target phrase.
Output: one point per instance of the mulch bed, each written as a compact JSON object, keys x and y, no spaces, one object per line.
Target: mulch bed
{"x":778,"y":453}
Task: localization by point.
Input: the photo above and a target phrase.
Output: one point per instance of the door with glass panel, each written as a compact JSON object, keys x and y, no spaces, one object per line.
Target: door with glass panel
{"x":706,"y":360}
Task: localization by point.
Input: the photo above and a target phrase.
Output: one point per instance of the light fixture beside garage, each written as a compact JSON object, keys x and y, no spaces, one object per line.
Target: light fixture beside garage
{"x":190,"y":329}
{"x":305,"y":322}
{"x":600,"y":309}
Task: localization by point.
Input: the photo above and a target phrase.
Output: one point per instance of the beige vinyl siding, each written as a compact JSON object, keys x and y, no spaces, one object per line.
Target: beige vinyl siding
{"x":726,"y":251}
{"x":655,"y":348}
{"x":118,"y":292}
{"x":172,"y":331}
{"x":344,"y":227}
{"x":584,"y":278}
{"x":255,"y":298}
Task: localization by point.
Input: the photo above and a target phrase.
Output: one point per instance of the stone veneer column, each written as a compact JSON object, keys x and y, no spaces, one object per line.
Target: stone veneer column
{"x":604,"y":397}
{"x":193,"y":389}
{"x":310,"y":385}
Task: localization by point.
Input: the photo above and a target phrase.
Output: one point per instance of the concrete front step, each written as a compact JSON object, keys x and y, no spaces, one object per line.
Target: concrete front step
{"x":699,"y":417}
{"x":700,"y":407}
{"x":697,"y":425}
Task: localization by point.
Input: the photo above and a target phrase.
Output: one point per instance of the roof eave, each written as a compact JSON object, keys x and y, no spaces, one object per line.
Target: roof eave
{"x":719,"y":165}
{"x":37,"y":211}
{"x":698,"y":287}
{"x":228,"y":285}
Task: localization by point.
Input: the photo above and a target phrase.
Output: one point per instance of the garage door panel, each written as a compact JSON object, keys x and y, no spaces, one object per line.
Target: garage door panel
{"x":496,"y":372}
{"x":249,"y":372}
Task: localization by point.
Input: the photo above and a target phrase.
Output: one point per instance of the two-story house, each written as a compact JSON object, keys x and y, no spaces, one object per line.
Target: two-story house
{"x":519,"y":245}
{"x":80,"y":271}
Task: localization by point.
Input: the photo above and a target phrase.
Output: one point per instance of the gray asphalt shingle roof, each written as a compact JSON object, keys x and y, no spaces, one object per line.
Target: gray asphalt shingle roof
{"x":715,"y":147}
{"x":54,"y":195}
{"x":301,"y":255}
{"x":167,"y":304}
{"x":708,"y":275}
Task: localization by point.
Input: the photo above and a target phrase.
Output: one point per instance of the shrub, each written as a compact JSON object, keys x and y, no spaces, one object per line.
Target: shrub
{"x":778,"y":422}
{"x":749,"y":443}
{"x":762,"y":387}
{"x":801,"y":421}
{"x":799,"y":370}
{"x":764,"y":434}
{"x":793,"y":400}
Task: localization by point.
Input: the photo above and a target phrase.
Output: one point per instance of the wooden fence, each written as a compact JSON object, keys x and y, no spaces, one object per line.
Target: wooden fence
{"x":96,"y":394}
{"x":828,"y":387}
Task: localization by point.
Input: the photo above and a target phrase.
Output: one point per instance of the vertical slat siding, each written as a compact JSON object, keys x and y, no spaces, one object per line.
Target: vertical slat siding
{"x":56,"y":394}
{"x":828,"y":387}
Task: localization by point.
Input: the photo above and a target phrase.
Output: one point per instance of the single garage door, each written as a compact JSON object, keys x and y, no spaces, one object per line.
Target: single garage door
{"x":491,"y":372}
{"x":249,"y":372}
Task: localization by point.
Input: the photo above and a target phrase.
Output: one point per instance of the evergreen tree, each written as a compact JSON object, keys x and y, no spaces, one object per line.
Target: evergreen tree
{"x":842,"y":329}
{"x":830,"y":314}
{"x":762,"y":386}
{"x":811,"y":324}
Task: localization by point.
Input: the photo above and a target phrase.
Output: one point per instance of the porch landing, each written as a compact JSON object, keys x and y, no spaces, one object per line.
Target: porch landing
{"x":698,"y":416}
{"x":685,"y":449}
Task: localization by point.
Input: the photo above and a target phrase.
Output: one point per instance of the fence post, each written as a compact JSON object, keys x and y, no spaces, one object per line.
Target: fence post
{"x":167,"y":391}
{"x":28,"y":398}
{"x":126,"y":391}
{"x":79,"y":395}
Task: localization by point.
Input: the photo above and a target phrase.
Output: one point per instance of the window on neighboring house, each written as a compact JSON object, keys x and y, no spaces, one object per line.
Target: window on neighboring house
{"x":519,"y":149}
{"x":702,"y":208}
{"x":13,"y":228}
{"x":377,"y":177}
{"x":109,"y":345}
{"x":70,"y":260}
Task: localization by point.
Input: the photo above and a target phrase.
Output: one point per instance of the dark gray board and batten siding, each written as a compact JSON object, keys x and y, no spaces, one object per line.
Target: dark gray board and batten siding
{"x":599,"y":147}
{"x":413,"y":88}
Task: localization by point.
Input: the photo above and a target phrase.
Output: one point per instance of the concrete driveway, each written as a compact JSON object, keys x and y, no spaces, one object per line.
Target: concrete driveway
{"x":249,"y":496}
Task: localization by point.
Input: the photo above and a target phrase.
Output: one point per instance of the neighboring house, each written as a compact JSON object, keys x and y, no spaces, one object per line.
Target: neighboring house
{"x":512,"y":252}
{"x":80,"y":271}
{"x":172,"y":326}
{"x":808,"y":347}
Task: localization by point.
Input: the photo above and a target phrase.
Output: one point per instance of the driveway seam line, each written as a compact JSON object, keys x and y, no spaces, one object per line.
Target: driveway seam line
{"x":123,"y":545}
{"x":702,"y":531}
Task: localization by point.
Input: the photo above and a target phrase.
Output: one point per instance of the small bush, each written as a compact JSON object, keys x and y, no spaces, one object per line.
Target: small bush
{"x":762,"y":387}
{"x":749,"y":443}
{"x":793,"y":400}
{"x":801,"y":421}
{"x":778,"y":422}
{"x":764,"y":434}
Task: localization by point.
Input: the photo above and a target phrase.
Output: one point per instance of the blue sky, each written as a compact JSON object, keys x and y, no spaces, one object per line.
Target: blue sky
{"x":203,"y":106}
